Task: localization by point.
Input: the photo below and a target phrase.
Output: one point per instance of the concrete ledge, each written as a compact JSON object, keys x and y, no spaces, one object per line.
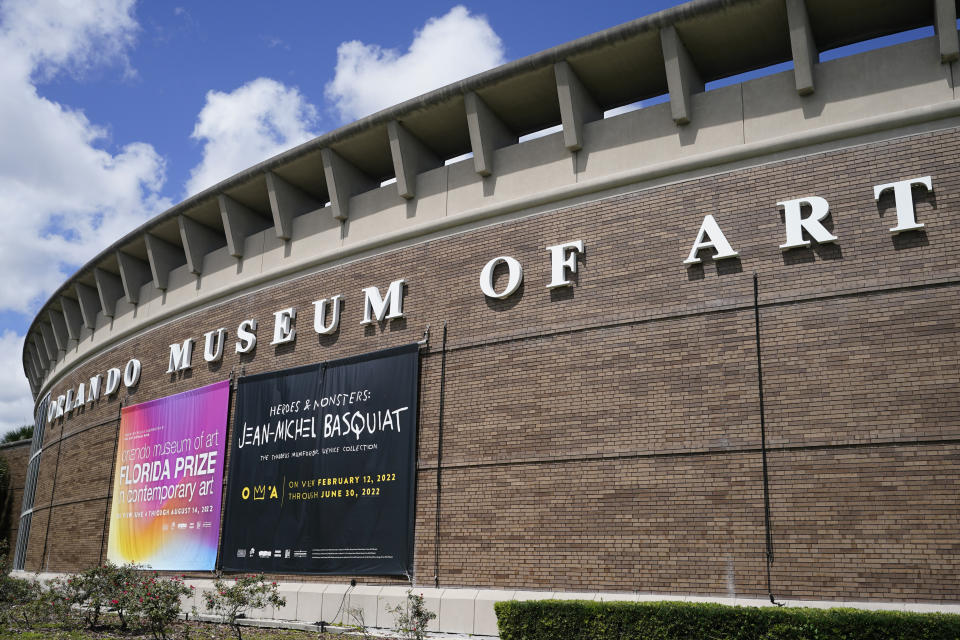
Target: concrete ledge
{"x":290,"y":591}
{"x":363,"y":605}
{"x":310,"y":602}
{"x":334,"y":609}
{"x":484,"y":617}
{"x":332,"y":629}
{"x":457,"y":610}
{"x":618,"y":597}
{"x":199,"y":588}
{"x":466,"y":611}
{"x":390,"y":597}
{"x":556,"y":595}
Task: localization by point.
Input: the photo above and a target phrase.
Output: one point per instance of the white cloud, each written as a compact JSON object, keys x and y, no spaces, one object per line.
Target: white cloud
{"x":64,"y":194}
{"x":72,"y":35}
{"x":265,"y":117}
{"x":250,"y":124}
{"x":16,"y":405}
{"x":369,"y":78}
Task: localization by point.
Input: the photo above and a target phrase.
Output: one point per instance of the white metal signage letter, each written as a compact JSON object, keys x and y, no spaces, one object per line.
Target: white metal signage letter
{"x":283,"y":329}
{"x":247,"y":339}
{"x":796,"y":224}
{"x":710,"y":237}
{"x":213,"y":345}
{"x":563,"y":257}
{"x":180,"y":357}
{"x":374,"y":307}
{"x":903,"y":199}
{"x":320,"y":312}
{"x":131,"y":373}
{"x":515,"y":273}
{"x":113,"y":382}
{"x":94,"y":389}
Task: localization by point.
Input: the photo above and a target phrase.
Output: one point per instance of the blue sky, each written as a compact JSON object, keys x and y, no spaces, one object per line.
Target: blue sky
{"x":112,"y":110}
{"x":182,"y":51}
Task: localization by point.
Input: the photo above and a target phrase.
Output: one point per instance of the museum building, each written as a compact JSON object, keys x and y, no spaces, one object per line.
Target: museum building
{"x":704,"y":348}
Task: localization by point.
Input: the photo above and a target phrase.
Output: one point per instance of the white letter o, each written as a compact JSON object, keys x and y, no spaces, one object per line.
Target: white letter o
{"x":513,"y":283}
{"x":131,"y":373}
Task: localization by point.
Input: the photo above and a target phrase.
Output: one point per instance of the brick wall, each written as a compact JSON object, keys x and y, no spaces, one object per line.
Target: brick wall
{"x":17,"y":455}
{"x":607,"y":436}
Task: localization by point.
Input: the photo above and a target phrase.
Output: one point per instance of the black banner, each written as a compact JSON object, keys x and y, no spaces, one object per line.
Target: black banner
{"x":322,"y":468}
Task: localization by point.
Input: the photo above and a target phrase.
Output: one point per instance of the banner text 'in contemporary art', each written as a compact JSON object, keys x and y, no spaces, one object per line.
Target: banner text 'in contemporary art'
{"x":168,"y":480}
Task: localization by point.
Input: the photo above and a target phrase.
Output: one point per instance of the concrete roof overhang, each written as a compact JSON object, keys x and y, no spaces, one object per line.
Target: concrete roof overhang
{"x":617,"y":66}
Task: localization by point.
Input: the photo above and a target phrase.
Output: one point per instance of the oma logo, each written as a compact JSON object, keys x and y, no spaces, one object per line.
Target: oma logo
{"x":261,"y":492}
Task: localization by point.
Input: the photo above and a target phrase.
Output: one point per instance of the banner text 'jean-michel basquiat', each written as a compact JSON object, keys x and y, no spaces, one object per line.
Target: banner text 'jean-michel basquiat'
{"x":322,"y":468}
{"x":168,"y":480}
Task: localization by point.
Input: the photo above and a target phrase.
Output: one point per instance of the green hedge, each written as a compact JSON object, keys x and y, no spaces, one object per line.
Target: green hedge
{"x":586,"y":620}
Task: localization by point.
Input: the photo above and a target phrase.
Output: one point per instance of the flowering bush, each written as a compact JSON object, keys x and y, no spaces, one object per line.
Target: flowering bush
{"x":123,"y":583}
{"x":56,"y":602}
{"x":232,"y":602}
{"x":156,"y":601}
{"x":28,"y":602}
{"x":91,"y":590}
{"x":412,"y":616}
{"x":17,"y":600}
{"x":138,"y":598}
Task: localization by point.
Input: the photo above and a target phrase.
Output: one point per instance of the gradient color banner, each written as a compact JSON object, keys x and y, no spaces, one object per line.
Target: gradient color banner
{"x":168,"y":480}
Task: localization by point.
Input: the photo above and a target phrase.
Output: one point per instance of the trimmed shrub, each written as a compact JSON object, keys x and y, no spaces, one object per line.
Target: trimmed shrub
{"x":586,"y":620}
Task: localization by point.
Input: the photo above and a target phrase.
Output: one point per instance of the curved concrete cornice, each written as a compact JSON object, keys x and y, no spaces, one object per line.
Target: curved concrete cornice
{"x":722,"y":159}
{"x":673,"y":52}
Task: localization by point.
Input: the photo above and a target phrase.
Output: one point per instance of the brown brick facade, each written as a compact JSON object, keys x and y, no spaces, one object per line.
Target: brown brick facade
{"x":16,"y":455}
{"x":607,"y":436}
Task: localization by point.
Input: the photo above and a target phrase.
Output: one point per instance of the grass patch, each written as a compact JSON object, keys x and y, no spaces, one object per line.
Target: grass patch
{"x":188,"y":630}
